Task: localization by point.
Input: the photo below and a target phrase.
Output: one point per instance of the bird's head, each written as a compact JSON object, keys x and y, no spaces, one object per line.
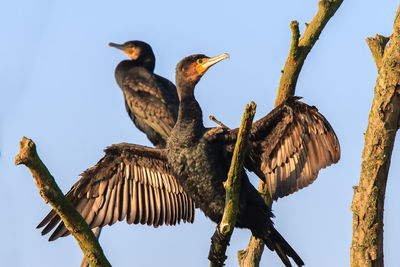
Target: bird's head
{"x":138,"y":51}
{"x":190,"y":69}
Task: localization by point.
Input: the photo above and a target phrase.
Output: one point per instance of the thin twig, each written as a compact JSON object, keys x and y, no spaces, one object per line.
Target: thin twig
{"x":211,"y":117}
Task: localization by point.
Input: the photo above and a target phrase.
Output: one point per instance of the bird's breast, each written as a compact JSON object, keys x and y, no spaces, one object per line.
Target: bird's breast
{"x":200,"y":170}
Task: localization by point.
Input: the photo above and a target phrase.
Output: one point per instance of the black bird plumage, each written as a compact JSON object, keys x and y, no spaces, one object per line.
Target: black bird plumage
{"x":289,"y":146}
{"x":150,"y":100}
{"x":200,"y":161}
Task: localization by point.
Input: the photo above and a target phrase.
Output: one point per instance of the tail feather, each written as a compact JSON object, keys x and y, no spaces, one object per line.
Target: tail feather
{"x":277,"y":243}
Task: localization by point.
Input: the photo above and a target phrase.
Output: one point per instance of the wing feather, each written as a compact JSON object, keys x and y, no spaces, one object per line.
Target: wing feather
{"x":125,"y":194}
{"x":141,"y":199}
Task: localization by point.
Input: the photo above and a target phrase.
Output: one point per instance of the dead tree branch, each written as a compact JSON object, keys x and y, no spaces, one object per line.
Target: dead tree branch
{"x":301,"y":46}
{"x":51,"y":193}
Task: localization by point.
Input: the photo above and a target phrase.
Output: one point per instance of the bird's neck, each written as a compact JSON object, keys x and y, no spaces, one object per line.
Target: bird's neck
{"x":189,"y":110}
{"x":124,"y":66}
{"x":190,"y":118}
{"x":145,"y":63}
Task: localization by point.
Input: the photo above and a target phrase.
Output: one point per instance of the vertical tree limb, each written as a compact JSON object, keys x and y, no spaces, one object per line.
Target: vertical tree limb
{"x":368,"y":200}
{"x":222,"y":235}
{"x":299,"y":49}
{"x":50,"y":192}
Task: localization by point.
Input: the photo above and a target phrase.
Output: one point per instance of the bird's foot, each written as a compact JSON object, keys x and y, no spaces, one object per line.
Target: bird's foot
{"x":217,"y":240}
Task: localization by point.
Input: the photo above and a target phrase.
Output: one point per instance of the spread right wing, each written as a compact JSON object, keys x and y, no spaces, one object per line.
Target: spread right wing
{"x":289,"y":146}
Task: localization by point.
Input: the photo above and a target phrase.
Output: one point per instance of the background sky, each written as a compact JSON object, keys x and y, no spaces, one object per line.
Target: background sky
{"x":57,"y":87}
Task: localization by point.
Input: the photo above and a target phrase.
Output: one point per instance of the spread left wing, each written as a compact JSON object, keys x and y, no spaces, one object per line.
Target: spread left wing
{"x":132,"y":182}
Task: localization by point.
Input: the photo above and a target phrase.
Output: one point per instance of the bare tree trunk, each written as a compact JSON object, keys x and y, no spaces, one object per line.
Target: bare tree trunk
{"x":383,"y":122}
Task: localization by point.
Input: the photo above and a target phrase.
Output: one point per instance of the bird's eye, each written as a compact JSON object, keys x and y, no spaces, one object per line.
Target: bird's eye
{"x":199,"y":61}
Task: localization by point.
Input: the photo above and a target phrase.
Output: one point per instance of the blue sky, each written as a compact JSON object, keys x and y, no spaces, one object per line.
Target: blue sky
{"x":57,"y":87}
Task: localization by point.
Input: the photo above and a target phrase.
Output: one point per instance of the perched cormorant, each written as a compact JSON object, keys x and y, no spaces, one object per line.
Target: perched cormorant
{"x":150,"y":100}
{"x":288,"y":148}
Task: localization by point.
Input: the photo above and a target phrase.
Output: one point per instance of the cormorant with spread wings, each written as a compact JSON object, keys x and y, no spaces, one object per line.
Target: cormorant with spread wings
{"x":288,"y":148}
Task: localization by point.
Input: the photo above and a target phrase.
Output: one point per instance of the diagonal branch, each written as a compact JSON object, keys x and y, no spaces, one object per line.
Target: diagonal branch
{"x":299,"y":49}
{"x":50,"y":192}
{"x":222,"y":235}
{"x":211,"y":117}
{"x":369,"y":196}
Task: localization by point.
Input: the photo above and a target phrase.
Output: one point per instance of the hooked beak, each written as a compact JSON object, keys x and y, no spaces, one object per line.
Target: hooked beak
{"x":211,"y":61}
{"x":132,"y":52}
{"x":119,"y":46}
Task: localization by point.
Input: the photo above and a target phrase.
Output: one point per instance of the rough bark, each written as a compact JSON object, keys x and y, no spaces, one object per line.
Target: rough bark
{"x":51,"y":193}
{"x":222,"y":235}
{"x":383,"y":122}
{"x":299,"y":49}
